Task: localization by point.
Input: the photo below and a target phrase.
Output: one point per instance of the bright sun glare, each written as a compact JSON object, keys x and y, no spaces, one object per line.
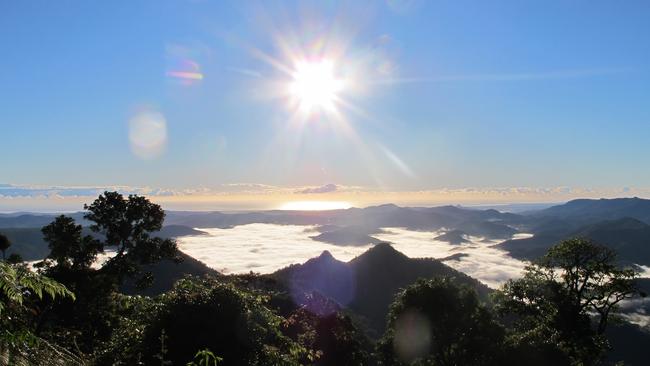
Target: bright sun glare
{"x":314,"y":85}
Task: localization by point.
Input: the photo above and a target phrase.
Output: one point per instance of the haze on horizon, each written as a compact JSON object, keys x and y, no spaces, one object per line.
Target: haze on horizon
{"x":259,"y":105}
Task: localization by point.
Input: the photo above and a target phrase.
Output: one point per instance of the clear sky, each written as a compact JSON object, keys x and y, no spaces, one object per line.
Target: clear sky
{"x":396,"y":96}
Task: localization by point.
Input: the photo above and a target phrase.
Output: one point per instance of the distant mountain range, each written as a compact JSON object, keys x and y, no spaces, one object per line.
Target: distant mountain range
{"x":589,"y":211}
{"x":621,"y":224}
{"x":357,"y":226}
{"x":353,"y":226}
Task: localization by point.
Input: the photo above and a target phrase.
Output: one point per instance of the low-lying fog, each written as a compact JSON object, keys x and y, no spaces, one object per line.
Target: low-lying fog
{"x":265,"y":248}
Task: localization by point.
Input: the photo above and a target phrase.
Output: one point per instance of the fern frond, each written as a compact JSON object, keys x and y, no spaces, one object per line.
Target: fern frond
{"x":18,"y":281}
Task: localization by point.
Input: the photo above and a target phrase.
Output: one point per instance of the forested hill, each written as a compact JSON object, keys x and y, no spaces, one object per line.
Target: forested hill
{"x":630,"y":238}
{"x":589,"y":210}
{"x":368,"y":283}
{"x":166,"y":272}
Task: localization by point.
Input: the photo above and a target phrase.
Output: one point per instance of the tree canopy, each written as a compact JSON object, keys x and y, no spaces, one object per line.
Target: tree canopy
{"x":68,"y":248}
{"x":436,"y":322}
{"x":566,"y":300}
{"x":202,"y":314}
{"x":126,"y":225}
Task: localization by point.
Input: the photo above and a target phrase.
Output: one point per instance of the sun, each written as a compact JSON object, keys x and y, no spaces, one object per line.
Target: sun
{"x":315,"y":86}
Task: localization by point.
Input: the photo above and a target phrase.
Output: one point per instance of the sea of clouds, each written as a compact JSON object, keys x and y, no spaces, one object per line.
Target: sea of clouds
{"x":265,"y":248}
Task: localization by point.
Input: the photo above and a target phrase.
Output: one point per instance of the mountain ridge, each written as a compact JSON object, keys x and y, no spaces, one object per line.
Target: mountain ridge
{"x":367,"y":283}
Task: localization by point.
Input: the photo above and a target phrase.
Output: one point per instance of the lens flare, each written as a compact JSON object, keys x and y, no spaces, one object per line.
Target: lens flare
{"x":148,"y":134}
{"x":185,"y":75}
{"x":185,"y":71}
{"x":412,"y":336}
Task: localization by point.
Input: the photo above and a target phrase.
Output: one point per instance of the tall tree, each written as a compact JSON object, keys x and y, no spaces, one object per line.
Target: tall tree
{"x":566,"y":298}
{"x":4,"y":245}
{"x":127,"y":224}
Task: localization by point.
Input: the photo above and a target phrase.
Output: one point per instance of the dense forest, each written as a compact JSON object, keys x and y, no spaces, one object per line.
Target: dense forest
{"x":148,"y":304}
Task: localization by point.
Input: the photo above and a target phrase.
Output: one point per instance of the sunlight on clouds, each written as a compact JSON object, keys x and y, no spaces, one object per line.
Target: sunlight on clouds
{"x":266,"y":248}
{"x":262,"y":248}
{"x":255,"y":196}
{"x":490,"y":265}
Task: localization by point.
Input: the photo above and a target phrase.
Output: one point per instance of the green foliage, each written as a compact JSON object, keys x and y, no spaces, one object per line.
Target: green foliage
{"x":17,"y":282}
{"x":436,"y":322}
{"x":205,"y":358}
{"x":331,"y":339}
{"x":202,"y":314}
{"x":18,"y":286}
{"x":564,"y":301}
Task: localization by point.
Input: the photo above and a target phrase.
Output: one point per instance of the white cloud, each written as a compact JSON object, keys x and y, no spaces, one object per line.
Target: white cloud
{"x":260,"y":248}
{"x":327,"y":188}
{"x":266,"y":248}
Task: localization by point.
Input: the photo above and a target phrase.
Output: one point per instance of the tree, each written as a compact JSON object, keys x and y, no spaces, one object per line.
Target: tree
{"x":436,"y":322}
{"x":14,"y":258}
{"x":567,"y":298}
{"x":127,"y":225}
{"x":68,"y":248}
{"x":120,"y":225}
{"x":4,"y":245}
{"x":331,"y":337}
{"x":201,"y":314}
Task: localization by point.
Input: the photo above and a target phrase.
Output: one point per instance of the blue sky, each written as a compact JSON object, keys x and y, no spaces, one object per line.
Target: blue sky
{"x":445,"y":94}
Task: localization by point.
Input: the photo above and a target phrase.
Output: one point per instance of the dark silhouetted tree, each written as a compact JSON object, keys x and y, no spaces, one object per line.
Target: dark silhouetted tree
{"x":126,"y":225}
{"x":4,"y":245}
{"x":14,"y":258}
{"x":122,"y":225}
{"x":331,"y":336}
{"x":566,"y":299}
{"x":68,"y":248}
{"x":436,"y":322}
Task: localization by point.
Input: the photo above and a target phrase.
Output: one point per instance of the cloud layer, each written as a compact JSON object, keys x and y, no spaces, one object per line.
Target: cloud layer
{"x":255,"y":196}
{"x":266,"y":248}
{"x":327,"y":188}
